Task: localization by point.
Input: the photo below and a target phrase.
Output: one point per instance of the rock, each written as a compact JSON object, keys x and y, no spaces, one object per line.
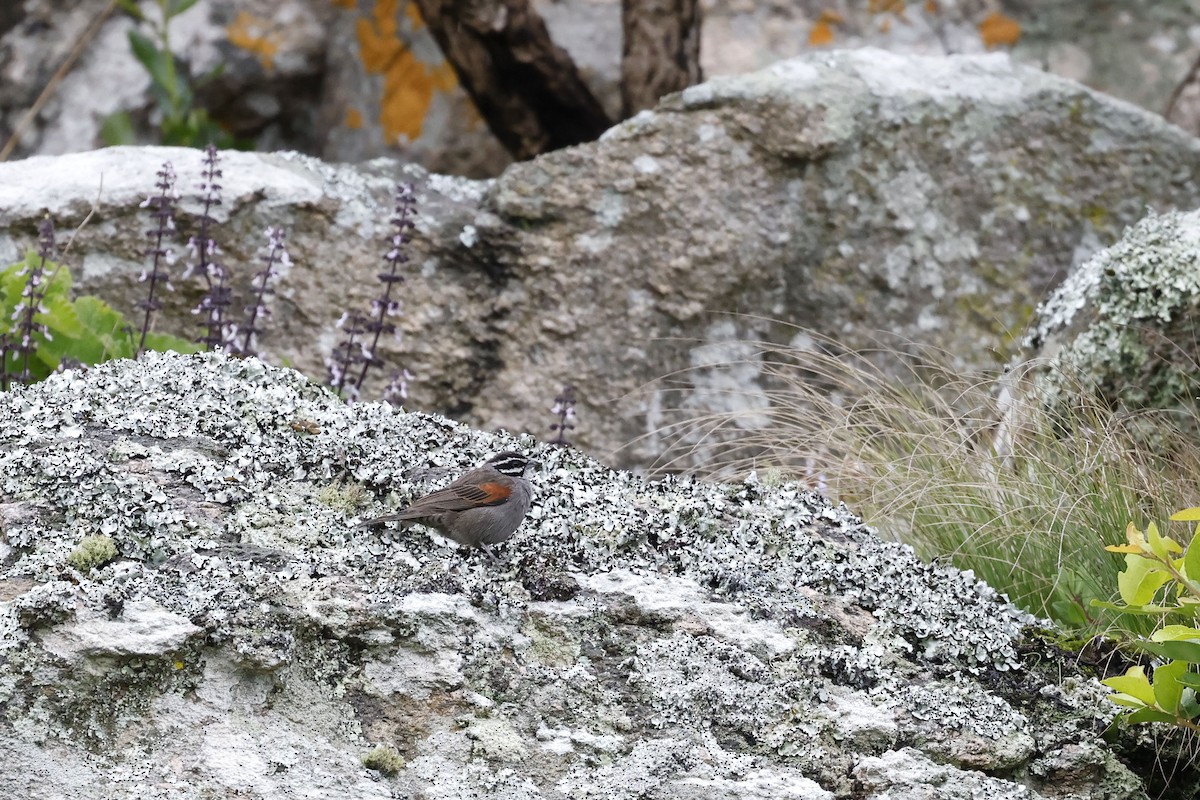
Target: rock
{"x":142,"y":628}
{"x":325,"y":78}
{"x":729,"y":640}
{"x":1124,"y":322}
{"x":301,"y":74}
{"x":937,"y":199}
{"x":352,"y":80}
{"x":1097,"y":44}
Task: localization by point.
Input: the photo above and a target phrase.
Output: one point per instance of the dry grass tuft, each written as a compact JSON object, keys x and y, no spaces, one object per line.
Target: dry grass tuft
{"x":967,"y":468}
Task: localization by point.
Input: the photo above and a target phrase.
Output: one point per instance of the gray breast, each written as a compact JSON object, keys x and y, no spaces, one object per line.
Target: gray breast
{"x":493,"y":524}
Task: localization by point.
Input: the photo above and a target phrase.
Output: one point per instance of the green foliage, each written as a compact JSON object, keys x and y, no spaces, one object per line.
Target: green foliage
{"x":85,"y":330}
{"x":93,"y":552}
{"x":1161,"y":578}
{"x":180,"y":122}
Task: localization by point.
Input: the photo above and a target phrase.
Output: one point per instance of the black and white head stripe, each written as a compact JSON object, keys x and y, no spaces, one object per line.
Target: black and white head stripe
{"x":509,"y":463}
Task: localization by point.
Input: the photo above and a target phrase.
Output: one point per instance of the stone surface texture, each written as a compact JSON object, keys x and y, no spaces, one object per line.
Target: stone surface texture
{"x":936,"y":199}
{"x":357,"y":79}
{"x":672,"y":639}
{"x":345,"y":83}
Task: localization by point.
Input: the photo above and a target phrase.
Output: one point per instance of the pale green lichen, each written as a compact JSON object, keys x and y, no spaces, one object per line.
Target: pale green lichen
{"x":93,"y":552}
{"x":384,"y":759}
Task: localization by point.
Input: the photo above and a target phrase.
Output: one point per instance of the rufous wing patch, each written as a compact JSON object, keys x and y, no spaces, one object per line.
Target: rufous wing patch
{"x":486,"y":494}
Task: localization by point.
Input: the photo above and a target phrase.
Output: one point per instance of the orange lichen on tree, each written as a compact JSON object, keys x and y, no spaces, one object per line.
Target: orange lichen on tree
{"x":254,"y":35}
{"x":408,"y":84}
{"x":354,"y":119}
{"x":348,"y":4}
{"x":822,"y":29}
{"x":997,"y":30}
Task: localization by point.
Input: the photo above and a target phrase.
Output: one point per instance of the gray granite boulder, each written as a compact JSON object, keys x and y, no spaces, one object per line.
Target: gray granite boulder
{"x":674,"y":639}
{"x":936,"y":199}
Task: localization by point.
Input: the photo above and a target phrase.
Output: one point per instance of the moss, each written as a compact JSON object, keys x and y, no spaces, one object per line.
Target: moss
{"x":93,"y":552}
{"x":348,"y":497}
{"x":384,"y":759}
{"x":1098,"y":216}
{"x":552,"y":644}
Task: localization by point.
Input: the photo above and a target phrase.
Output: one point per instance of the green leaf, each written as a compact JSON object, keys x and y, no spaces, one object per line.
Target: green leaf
{"x":131,"y":8}
{"x":162,"y":342}
{"x":1161,"y":546}
{"x":1167,"y":688}
{"x":106,"y":336}
{"x":153,"y":59}
{"x":177,"y":7}
{"x":1188,"y":707}
{"x":1124,"y":609}
{"x":117,"y":129}
{"x":184,"y":97}
{"x":12,"y":282}
{"x":1134,"y":684}
{"x":1141,"y":580}
{"x":91,"y":331}
{"x":1149,"y":715}
{"x":1187,"y":515}
{"x":1191,"y":559}
{"x":1069,"y":613}
{"x":56,"y":287}
{"x":1190,"y":679}
{"x":1126,"y":700}
{"x":1175,"y":651}
{"x":74,"y":340}
{"x":1169,"y":633}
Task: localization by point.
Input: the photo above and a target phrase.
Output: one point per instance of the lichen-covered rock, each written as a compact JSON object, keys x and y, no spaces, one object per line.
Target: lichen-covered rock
{"x":675,"y":639}
{"x":1124,"y":322}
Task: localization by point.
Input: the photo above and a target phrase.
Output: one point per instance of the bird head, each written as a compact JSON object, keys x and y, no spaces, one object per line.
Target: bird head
{"x":511,"y":463}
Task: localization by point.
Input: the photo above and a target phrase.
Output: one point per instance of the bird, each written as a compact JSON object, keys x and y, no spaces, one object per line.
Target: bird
{"x":482,"y":507}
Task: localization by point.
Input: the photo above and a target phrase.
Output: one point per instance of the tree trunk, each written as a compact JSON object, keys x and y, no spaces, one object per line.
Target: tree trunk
{"x":527,"y":89}
{"x":661,"y":52}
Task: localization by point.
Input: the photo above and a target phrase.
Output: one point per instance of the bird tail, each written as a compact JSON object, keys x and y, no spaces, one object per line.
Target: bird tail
{"x":400,"y":517}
